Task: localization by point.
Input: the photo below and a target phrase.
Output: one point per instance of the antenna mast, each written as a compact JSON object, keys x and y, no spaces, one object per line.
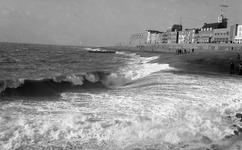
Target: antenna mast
{"x":180,"y":24}
{"x":223,"y":9}
{"x":222,"y":18}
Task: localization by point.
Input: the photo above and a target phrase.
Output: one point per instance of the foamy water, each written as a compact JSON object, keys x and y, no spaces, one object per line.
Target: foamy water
{"x":146,"y":108}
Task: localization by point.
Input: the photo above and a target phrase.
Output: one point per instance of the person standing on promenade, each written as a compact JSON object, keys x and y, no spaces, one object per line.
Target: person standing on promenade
{"x":240,"y":69}
{"x":232,"y":68}
{"x":238,"y":57}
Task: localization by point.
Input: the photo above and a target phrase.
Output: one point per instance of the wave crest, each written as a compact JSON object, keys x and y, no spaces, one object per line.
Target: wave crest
{"x":56,"y":85}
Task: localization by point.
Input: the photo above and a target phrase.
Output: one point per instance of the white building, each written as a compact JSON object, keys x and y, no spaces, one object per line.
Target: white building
{"x":238,"y":36}
{"x":236,"y":33}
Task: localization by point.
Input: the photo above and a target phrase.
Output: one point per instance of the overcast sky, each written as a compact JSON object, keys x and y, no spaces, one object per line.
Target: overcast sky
{"x":103,"y":22}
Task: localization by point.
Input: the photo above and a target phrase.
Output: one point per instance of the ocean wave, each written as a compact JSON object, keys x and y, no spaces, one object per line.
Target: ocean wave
{"x":52,"y":86}
{"x":92,"y":49}
{"x":137,"y":67}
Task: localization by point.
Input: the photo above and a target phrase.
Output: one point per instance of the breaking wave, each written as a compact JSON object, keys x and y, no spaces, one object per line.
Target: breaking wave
{"x":137,"y":68}
{"x":52,"y":86}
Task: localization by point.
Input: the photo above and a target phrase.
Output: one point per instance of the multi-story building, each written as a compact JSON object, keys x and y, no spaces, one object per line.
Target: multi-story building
{"x":138,"y":38}
{"x":173,"y":37}
{"x":164,"y":37}
{"x":181,"y":37}
{"x":188,"y":36}
{"x":172,"y":33}
{"x":206,"y":33}
{"x":168,"y":32}
{"x":147,"y":37}
{"x":221,"y":36}
{"x":236,"y":33}
{"x":154,"y":37}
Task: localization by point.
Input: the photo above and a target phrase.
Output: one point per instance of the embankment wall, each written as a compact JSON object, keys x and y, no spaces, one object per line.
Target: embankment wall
{"x":157,"y":47}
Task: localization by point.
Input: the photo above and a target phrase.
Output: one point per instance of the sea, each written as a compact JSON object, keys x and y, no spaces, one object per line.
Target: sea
{"x":65,"y":98}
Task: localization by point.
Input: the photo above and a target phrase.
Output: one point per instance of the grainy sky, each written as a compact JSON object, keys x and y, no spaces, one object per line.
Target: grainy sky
{"x":103,"y":22}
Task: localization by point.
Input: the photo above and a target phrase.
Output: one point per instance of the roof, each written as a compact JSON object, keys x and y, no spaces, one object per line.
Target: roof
{"x":177,"y":25}
{"x":154,"y":31}
{"x":213,"y":25}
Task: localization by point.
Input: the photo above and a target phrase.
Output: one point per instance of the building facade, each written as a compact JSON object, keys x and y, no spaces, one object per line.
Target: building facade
{"x":164,"y":37}
{"x":173,"y":32}
{"x":207,"y":31}
{"x":221,"y":36}
{"x":154,"y":37}
{"x":147,"y":37}
{"x":236,"y":33}
{"x":188,"y":36}
{"x":138,"y":38}
{"x":173,"y":37}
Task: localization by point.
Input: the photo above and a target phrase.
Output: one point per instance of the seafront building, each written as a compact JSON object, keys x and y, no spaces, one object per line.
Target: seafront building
{"x":207,"y":31}
{"x":236,"y":33}
{"x":147,"y":37}
{"x":138,"y":38}
{"x":189,"y":36}
{"x":154,"y":37}
{"x":172,"y":33}
{"x":173,"y":37}
{"x":221,"y":36}
{"x":216,"y":32}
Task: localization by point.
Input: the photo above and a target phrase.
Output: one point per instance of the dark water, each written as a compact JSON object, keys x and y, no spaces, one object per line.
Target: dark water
{"x":62,"y":97}
{"x":45,"y":69}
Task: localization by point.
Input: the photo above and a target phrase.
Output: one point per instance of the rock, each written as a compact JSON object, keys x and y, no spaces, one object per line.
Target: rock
{"x":215,"y":147}
{"x":206,"y":140}
{"x":236,"y":132}
{"x":228,"y":137}
{"x":240,"y":130}
{"x":238,"y":115}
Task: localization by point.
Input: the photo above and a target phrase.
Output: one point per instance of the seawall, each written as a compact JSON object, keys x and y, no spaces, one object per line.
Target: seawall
{"x":164,"y":47}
